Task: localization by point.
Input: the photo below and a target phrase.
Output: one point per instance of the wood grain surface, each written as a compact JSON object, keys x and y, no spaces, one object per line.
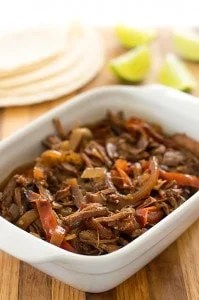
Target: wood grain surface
{"x":172,"y":275}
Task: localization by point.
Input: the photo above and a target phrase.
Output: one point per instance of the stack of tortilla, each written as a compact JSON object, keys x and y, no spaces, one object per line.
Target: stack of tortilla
{"x":43,"y":64}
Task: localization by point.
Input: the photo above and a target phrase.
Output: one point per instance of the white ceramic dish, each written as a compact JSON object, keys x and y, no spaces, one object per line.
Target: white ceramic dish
{"x":175,"y":112}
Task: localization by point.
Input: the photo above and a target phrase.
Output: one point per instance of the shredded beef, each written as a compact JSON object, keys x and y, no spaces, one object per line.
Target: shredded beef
{"x":95,"y":189}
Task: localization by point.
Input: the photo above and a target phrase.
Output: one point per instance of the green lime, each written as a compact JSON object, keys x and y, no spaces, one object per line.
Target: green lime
{"x":133,"y":37}
{"x":132,"y":66}
{"x":174,"y":73}
{"x":186,"y":44}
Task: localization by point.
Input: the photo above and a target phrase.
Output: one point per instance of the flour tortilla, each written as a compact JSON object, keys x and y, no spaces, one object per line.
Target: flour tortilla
{"x":64,"y":78}
{"x":96,"y":63}
{"x":77,"y":42}
{"x":30,"y":48}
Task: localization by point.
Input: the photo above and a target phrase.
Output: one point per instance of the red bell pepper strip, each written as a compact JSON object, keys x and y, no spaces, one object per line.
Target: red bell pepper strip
{"x":47,"y":217}
{"x":66,"y":246}
{"x":148,"y":215}
{"x":121,"y":166}
{"x":180,"y":178}
{"x":57,"y":236}
{"x":54,"y":233}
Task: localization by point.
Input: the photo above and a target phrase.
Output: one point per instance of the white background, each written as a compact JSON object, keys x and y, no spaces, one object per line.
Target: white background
{"x":25,"y":13}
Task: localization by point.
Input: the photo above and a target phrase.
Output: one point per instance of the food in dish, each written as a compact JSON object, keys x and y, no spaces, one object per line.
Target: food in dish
{"x":96,"y":188}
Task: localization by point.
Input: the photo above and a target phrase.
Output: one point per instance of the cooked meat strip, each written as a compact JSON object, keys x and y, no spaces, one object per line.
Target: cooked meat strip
{"x":186,"y":142}
{"x":8,"y":192}
{"x":52,"y":142}
{"x":104,"y":232}
{"x":173,"y":158}
{"x":76,"y":192}
{"x":86,"y":213}
{"x":59,"y":128}
{"x":115,"y":217}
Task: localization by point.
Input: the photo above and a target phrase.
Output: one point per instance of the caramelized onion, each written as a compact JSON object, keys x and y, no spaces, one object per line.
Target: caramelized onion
{"x":144,"y":191}
{"x":28,"y":218}
{"x":77,"y":135}
{"x":89,"y":173}
{"x":51,"y":157}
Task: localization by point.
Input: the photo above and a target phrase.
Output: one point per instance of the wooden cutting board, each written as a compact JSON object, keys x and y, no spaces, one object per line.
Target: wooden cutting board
{"x":172,"y":275}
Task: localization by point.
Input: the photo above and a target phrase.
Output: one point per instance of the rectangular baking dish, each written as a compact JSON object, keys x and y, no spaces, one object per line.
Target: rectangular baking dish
{"x":174,"y":111}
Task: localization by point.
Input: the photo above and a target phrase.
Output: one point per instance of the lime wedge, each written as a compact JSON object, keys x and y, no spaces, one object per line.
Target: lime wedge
{"x":186,"y":44}
{"x":175,"y":74}
{"x":132,"y":66}
{"x":133,"y":37}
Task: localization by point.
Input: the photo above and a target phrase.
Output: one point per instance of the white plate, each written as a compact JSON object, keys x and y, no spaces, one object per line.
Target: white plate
{"x":174,"y":111}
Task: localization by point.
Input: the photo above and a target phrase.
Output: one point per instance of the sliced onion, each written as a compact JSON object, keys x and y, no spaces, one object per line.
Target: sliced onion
{"x":51,"y":156}
{"x":93,"y":173}
{"x":69,"y":237}
{"x":72,"y":157}
{"x":145,"y":190}
{"x":39,"y":173}
{"x":75,"y":139}
{"x":77,"y":135}
{"x":28,"y":218}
